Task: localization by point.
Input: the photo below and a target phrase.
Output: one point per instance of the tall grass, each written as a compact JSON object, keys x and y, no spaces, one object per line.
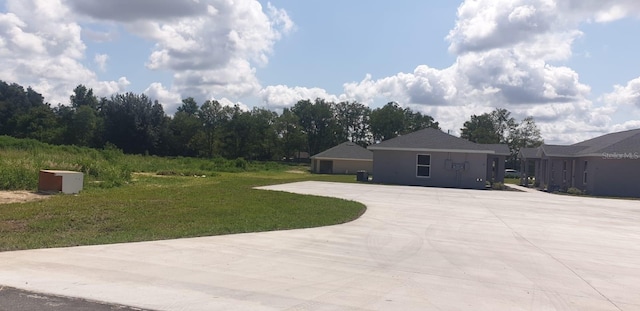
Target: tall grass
{"x":22,"y":159}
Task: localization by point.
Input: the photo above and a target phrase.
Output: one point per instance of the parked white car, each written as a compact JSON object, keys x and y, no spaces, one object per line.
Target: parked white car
{"x":511,"y":173}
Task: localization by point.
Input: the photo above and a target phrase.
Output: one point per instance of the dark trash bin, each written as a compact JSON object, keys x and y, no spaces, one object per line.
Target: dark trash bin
{"x":362,"y":176}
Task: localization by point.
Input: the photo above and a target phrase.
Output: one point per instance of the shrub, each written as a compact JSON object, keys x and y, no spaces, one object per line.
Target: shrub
{"x":241,"y":163}
{"x":498,"y":186}
{"x":22,"y":159}
{"x":574,"y":191}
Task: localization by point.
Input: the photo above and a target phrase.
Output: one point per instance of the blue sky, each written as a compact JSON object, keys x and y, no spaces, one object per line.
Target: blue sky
{"x":571,"y":64}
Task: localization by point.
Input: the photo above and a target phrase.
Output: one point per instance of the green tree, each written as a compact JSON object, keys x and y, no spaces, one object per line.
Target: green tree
{"x":318,"y":124}
{"x":84,"y":126}
{"x":525,"y":135}
{"x":504,"y":124}
{"x":480,"y":129}
{"x":415,"y":121}
{"x":183,"y":129}
{"x":15,"y":102}
{"x":237,"y":132}
{"x":133,"y":123}
{"x":212,"y":116}
{"x":189,"y":106}
{"x":83,"y":97}
{"x":387,"y":122}
{"x":263,"y":136}
{"x":290,"y":134}
{"x":353,"y":119}
{"x":39,"y":123}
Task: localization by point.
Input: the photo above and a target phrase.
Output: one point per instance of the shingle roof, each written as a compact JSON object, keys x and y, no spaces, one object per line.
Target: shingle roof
{"x":626,"y":142}
{"x":529,"y":153}
{"x":500,"y":149}
{"x":561,"y":150}
{"x":620,"y":142}
{"x":431,"y":139}
{"x":346,"y":150}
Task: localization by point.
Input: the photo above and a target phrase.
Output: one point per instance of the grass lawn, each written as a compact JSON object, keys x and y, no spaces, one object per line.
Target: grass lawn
{"x":166,"y":207}
{"x":513,"y":181}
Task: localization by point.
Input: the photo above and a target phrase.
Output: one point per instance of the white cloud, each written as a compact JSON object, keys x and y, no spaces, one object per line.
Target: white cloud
{"x":225,"y":102}
{"x":101,"y":61}
{"x":108,"y":88}
{"x":42,"y":48}
{"x":628,"y":95}
{"x":489,"y":24}
{"x":211,"y":46}
{"x":169,"y":99}
{"x":282,"y":96}
{"x":506,"y":53}
{"x":127,"y":11}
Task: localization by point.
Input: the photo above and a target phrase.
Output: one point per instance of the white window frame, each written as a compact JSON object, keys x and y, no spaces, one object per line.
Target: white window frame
{"x":584,"y":173}
{"x":418,"y":165}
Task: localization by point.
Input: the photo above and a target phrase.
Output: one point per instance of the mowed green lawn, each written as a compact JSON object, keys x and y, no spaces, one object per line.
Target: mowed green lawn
{"x":166,"y":207}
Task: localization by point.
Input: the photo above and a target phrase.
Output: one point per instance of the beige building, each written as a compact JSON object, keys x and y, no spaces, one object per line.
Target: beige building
{"x":346,"y":158}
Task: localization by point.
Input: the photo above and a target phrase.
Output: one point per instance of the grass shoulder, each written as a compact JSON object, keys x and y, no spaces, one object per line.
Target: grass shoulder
{"x":153,"y":207}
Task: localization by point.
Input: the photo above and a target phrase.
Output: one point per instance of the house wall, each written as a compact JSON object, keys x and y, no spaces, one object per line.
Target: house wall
{"x":496,"y":174}
{"x":613,"y":177}
{"x":399,"y":167}
{"x":351,"y":166}
{"x":344,"y":166}
{"x":558,"y":173}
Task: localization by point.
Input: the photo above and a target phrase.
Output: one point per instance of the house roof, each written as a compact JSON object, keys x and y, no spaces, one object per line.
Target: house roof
{"x":529,"y":153}
{"x":619,"y":142}
{"x":500,"y":149}
{"x":430,"y":139}
{"x":626,"y":142}
{"x":346,"y":151}
{"x":561,"y":150}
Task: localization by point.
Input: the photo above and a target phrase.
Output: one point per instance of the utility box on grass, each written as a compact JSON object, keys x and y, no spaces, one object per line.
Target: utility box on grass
{"x":362,"y":176}
{"x":67,"y":182}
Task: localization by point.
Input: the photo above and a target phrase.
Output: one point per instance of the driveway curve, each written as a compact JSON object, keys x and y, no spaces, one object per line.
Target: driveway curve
{"x":415,"y":248}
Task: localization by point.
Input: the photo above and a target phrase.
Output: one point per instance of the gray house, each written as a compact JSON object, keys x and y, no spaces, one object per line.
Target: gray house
{"x":346,"y":158}
{"x":607,"y":165}
{"x":430,"y":157}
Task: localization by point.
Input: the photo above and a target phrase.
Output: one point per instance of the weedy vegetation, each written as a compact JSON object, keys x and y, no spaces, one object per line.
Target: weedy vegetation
{"x":130,"y":198}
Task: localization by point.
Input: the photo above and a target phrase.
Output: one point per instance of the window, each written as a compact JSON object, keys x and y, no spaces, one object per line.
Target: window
{"x":564,"y":171}
{"x":423,"y":165}
{"x":584,"y":173}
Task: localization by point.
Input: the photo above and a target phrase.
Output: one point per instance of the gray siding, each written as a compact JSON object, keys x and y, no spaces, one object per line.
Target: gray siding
{"x":399,"y":167}
{"x":613,"y":177}
{"x":560,"y":173}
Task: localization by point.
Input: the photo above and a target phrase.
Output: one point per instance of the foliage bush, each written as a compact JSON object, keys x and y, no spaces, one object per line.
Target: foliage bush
{"x":498,"y":186}
{"x":574,"y":191}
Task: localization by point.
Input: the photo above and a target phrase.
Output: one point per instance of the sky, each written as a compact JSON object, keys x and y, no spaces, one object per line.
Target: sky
{"x":573,"y":65}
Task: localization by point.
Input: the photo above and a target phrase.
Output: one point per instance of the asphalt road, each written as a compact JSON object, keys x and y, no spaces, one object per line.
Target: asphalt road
{"x":13,"y":299}
{"x":415,"y":248}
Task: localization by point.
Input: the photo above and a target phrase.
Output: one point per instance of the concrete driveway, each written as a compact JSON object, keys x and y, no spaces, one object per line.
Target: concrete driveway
{"x":414,"y":249}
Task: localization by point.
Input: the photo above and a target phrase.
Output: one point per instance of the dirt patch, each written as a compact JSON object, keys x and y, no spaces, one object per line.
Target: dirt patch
{"x":20,"y":196}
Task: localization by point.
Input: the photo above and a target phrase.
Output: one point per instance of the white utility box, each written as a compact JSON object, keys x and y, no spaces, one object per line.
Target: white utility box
{"x":67,"y":182}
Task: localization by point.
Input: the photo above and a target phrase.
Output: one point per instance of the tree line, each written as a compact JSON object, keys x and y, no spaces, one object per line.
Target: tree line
{"x":136,"y":124}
